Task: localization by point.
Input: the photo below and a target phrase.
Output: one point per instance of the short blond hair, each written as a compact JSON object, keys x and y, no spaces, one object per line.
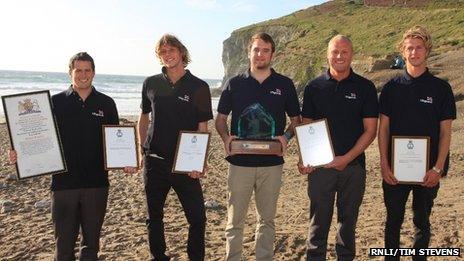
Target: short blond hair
{"x":417,"y":32}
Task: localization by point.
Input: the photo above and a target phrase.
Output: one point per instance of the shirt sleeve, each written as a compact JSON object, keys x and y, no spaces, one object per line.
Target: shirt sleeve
{"x":225,"y":101}
{"x":371,"y":104}
{"x":308,"y":110}
{"x":114,"y":117}
{"x":145,"y":105}
{"x":384,"y":100}
{"x":448,"y":105}
{"x":203,"y":103}
{"x":292,"y":105}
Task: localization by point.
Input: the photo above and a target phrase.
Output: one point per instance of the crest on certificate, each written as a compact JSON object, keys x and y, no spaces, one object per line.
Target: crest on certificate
{"x":410,"y":145}
{"x":194,"y":139}
{"x":119,"y":133}
{"x":311,"y":130}
{"x":28,"y":106}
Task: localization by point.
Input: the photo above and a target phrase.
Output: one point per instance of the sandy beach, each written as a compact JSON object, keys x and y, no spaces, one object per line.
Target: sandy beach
{"x":26,"y":230}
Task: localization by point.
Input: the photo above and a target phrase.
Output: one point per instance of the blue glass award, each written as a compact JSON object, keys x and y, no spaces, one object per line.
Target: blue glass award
{"x":256,"y":132}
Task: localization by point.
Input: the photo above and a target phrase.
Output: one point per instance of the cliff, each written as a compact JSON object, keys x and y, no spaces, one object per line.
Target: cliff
{"x":374,"y":27}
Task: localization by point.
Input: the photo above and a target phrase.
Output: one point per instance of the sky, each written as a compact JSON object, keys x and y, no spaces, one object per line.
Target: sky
{"x":41,"y":35}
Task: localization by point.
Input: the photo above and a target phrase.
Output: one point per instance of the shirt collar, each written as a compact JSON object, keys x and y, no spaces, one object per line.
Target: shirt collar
{"x":164,"y":70}
{"x":328,"y":76}
{"x":70,"y":91}
{"x":423,"y":76}
{"x":248,"y":73}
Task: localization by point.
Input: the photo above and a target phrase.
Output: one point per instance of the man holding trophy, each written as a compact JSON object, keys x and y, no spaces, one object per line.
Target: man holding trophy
{"x":258,"y":100}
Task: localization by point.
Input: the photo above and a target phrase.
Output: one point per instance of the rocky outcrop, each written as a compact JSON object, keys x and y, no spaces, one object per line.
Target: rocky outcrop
{"x":235,"y":52}
{"x":408,"y":3}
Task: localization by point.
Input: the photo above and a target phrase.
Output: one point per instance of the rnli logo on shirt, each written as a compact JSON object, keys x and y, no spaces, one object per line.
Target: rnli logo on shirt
{"x":276,"y":92}
{"x":351,"y":96}
{"x":98,"y":114}
{"x":185,"y":98}
{"x":427,"y":100}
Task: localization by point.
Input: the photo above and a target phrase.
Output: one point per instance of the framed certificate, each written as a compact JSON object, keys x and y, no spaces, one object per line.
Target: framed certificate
{"x":410,"y":158}
{"x":33,"y":134}
{"x":120,"y":146}
{"x":314,"y":143}
{"x":192,"y":149}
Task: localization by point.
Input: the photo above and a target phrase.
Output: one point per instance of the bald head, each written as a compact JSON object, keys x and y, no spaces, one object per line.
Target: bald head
{"x":339,"y":56}
{"x":340,"y":38}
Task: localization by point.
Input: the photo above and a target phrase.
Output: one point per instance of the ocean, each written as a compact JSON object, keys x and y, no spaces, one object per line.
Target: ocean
{"x":124,"y":89}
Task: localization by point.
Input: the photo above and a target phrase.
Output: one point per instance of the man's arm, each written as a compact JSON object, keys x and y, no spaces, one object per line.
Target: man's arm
{"x":289,"y":133}
{"x":223,"y":130}
{"x":370,"y":129}
{"x":142,"y":128}
{"x":203,"y":126}
{"x":383,"y":140}
{"x":432,"y":177}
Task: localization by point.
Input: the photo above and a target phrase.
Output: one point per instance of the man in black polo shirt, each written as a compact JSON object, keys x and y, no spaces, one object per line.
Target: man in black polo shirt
{"x":177,"y":101}
{"x":349,"y":103}
{"x":79,"y":196}
{"x":414,"y":104}
{"x":260,"y":174}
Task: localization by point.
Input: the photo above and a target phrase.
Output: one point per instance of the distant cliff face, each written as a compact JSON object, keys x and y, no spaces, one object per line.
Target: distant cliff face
{"x":235,"y":52}
{"x":301,"y":37}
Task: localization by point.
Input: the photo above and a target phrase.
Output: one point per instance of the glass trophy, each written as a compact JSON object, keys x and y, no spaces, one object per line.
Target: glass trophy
{"x":256,"y":132}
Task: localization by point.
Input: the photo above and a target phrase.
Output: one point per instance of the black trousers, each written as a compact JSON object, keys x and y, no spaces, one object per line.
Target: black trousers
{"x":324,"y":185}
{"x":395,"y":197}
{"x":158,"y":181}
{"x":75,"y":209}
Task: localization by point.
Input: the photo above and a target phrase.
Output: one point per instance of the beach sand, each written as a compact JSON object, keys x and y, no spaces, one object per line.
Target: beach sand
{"x":26,"y":232}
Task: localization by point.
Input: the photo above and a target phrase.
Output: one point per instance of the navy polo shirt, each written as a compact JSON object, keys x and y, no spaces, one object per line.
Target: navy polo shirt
{"x":174,"y":107}
{"x":80,"y":126}
{"x":416,"y":106}
{"x":276,"y":94}
{"x":345,"y":104}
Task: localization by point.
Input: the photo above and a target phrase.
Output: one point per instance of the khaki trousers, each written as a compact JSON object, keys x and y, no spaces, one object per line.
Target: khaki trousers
{"x":265,"y":182}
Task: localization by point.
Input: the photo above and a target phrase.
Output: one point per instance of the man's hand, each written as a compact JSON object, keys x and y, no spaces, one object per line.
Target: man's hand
{"x":305,"y":170}
{"x":387,"y":175}
{"x":284,"y":143}
{"x":227,"y":140}
{"x":13,"y":157}
{"x":130,"y":170}
{"x":339,"y":163}
{"x":198,"y":175}
{"x":431,"y":178}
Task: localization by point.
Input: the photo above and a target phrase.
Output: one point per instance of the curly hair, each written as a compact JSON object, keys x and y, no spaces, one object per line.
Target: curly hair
{"x":417,"y":32}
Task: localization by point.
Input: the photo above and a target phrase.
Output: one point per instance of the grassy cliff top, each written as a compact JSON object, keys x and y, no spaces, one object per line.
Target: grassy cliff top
{"x":374,"y":30}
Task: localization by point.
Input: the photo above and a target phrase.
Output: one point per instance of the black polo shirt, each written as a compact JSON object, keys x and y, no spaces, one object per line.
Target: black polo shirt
{"x":276,"y":94}
{"x":79,"y":124}
{"x":345,"y":104}
{"x":174,"y":107}
{"x":416,"y":106}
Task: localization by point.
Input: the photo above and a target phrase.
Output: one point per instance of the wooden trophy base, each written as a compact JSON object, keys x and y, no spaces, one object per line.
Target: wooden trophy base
{"x":262,"y":147}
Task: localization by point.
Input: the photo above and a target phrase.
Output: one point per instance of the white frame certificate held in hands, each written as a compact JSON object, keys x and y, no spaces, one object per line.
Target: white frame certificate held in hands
{"x":314,"y":143}
{"x":410,"y":158}
{"x":192,"y":149}
{"x":120,"y":146}
{"x":33,"y":134}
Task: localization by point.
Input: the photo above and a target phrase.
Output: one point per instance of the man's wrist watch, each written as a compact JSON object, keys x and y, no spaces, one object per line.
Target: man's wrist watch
{"x":437,"y":170}
{"x":288,"y":136}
